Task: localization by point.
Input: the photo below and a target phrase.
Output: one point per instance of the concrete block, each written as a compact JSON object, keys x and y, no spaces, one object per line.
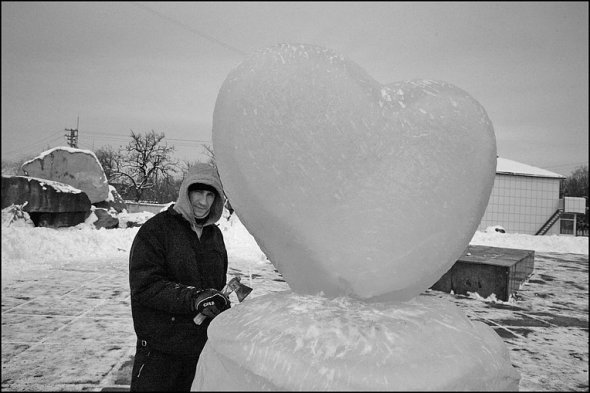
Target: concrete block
{"x":488,"y":270}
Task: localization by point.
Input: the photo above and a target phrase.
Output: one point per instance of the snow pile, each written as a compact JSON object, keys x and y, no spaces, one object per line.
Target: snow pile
{"x":25,"y":247}
{"x":553,"y":243}
{"x":33,"y":248}
{"x":14,"y":215}
{"x":284,"y":341}
{"x":238,"y":241}
{"x":135,"y":218}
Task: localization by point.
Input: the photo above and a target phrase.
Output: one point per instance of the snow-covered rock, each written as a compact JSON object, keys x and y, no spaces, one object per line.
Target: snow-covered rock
{"x":49,"y":203}
{"x":114,"y":200}
{"x":76,"y":167}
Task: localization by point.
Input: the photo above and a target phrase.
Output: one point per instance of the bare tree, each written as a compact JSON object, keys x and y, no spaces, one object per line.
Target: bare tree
{"x":12,"y":168}
{"x":110,"y":160}
{"x":576,"y":184}
{"x":145,"y":158}
{"x":210,"y":153}
{"x":186,"y":165}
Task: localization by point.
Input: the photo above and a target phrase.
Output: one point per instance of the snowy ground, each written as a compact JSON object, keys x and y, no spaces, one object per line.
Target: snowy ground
{"x":545,"y":326}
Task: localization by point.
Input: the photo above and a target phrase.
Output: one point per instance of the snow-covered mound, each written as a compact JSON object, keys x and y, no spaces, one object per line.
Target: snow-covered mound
{"x":553,"y":243}
{"x":25,"y":247}
{"x":284,"y":341}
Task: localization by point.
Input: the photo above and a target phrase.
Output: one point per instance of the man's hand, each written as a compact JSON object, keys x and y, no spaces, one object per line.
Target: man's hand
{"x":210,"y":302}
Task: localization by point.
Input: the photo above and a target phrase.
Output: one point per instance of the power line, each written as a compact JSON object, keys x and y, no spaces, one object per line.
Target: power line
{"x":34,"y":146}
{"x":187,"y":140}
{"x":99,"y":135}
{"x":56,"y":137}
{"x":49,"y":137}
{"x":85,"y":146}
{"x":192,"y":30}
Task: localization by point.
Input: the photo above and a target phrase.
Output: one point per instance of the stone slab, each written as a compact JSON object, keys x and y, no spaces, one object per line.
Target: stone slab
{"x":488,"y":270}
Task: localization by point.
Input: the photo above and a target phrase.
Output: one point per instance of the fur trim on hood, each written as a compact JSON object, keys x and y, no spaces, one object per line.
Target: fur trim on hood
{"x":206,"y":174}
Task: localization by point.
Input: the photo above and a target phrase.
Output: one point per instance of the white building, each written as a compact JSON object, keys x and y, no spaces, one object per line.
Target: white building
{"x":525,"y":199}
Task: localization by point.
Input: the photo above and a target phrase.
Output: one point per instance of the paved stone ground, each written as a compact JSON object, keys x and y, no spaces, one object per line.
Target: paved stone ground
{"x":67,"y":329}
{"x":70,"y":329}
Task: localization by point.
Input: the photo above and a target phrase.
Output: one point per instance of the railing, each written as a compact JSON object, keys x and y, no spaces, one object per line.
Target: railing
{"x":543,"y":230}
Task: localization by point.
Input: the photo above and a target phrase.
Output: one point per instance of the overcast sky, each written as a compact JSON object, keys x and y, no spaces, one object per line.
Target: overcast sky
{"x":145,"y":66}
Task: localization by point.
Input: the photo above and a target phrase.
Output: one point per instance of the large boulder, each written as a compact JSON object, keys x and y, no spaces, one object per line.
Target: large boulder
{"x":49,"y":203}
{"x":76,"y":167}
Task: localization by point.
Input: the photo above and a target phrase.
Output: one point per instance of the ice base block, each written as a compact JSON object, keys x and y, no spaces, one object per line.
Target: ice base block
{"x":284,"y":341}
{"x":488,"y":270}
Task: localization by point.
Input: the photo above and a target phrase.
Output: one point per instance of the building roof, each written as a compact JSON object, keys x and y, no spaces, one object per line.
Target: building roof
{"x":508,"y":167}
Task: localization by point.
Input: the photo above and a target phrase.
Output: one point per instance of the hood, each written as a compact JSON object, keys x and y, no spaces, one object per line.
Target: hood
{"x":200,"y":173}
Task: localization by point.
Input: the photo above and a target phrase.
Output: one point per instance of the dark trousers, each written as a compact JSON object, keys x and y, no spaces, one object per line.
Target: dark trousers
{"x":158,"y":371}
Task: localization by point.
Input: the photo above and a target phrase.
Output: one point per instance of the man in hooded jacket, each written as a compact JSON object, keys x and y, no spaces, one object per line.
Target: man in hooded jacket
{"x":177,"y":268}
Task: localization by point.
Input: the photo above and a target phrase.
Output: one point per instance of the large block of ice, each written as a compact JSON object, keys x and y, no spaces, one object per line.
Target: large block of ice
{"x":351,"y":187}
{"x":285,"y":341}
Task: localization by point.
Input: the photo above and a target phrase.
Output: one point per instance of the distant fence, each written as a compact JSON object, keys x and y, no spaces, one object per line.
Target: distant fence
{"x":138,"y":207}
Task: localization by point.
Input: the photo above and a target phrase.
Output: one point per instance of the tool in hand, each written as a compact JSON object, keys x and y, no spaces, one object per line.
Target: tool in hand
{"x":234,"y":285}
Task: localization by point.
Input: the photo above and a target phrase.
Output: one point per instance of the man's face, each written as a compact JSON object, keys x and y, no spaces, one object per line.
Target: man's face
{"x":201,"y":201}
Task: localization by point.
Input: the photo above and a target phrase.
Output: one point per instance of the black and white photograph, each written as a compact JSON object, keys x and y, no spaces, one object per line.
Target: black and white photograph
{"x":295,"y":196}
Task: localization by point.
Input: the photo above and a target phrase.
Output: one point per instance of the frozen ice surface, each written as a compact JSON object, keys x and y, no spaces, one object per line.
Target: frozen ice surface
{"x":285,"y":341}
{"x":351,"y":187}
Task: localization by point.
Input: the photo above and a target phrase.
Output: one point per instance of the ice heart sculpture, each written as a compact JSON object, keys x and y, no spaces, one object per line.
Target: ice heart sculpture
{"x":351,"y":187}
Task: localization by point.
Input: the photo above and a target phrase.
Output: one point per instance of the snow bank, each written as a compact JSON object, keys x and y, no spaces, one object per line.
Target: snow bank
{"x":553,"y":243}
{"x":25,"y":247}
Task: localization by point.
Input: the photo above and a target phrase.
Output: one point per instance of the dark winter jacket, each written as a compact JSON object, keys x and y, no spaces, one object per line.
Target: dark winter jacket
{"x":169,"y":264}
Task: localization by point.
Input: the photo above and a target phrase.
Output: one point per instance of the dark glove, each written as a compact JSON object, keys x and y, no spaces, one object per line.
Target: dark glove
{"x":210,"y":302}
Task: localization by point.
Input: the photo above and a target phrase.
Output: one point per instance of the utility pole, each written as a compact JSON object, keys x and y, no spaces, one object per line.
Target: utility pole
{"x":72,"y":137}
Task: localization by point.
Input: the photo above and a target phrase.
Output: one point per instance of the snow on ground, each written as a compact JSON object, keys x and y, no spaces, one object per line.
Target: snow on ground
{"x":28,"y":249}
{"x":553,"y":243}
{"x":25,"y":248}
